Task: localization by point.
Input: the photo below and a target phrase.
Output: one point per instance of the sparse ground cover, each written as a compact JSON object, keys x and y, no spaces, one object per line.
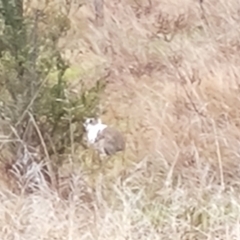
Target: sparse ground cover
{"x":173,"y":89}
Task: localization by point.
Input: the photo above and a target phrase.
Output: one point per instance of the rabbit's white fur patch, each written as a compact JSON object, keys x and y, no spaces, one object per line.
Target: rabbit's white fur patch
{"x":93,"y":130}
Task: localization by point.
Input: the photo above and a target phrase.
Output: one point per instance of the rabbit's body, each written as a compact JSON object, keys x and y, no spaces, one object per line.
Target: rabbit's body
{"x":106,"y":140}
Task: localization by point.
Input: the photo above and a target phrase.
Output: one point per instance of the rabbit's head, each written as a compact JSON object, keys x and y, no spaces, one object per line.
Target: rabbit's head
{"x":89,"y":123}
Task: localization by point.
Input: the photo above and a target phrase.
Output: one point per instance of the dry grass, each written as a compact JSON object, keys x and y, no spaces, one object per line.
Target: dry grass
{"x":174,"y":91}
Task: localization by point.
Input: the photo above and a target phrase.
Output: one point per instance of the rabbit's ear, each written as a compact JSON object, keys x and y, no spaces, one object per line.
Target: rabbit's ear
{"x":84,"y":123}
{"x":99,"y":121}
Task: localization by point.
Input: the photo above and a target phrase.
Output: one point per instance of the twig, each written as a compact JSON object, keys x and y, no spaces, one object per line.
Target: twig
{"x":218,"y":156}
{"x":48,"y":161}
{"x":32,"y":101}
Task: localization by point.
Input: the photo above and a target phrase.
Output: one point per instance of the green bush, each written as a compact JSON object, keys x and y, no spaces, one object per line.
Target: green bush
{"x":28,"y":56}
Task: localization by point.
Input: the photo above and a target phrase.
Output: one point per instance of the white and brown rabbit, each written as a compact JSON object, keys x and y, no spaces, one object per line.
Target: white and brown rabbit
{"x":106,"y":140}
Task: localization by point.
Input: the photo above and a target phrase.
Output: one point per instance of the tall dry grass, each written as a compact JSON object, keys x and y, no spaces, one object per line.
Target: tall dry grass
{"x":173,"y":90}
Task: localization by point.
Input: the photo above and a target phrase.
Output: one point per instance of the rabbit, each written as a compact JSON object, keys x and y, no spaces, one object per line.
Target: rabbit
{"x":106,"y":140}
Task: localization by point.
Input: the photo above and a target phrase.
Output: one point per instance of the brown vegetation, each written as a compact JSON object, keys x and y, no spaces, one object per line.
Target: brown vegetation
{"x":172,"y":86}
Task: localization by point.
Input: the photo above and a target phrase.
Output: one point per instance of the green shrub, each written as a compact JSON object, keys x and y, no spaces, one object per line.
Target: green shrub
{"x":38,"y":109}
